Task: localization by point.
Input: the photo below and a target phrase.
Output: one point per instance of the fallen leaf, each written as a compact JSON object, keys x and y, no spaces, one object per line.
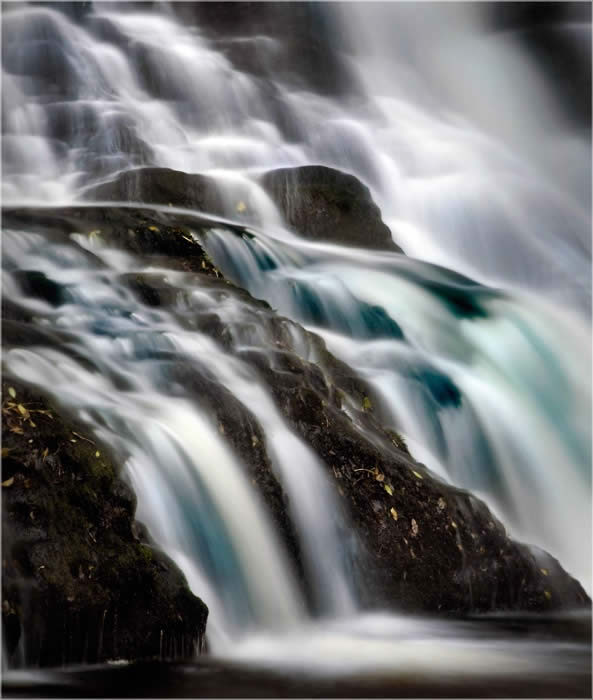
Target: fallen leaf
{"x":380,"y":477}
{"x":414,"y":528}
{"x":548,"y":595}
{"x":388,"y":488}
{"x":5,"y":451}
{"x":97,"y":453}
{"x":153,"y":228}
{"x":545,"y":572}
{"x":12,"y":391}
{"x":23,"y":411}
{"x":393,"y":513}
{"x":418,"y":476}
{"x":8,"y":482}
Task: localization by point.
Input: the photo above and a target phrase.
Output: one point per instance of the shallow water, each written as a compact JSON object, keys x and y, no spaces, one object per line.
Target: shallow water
{"x":370,"y":656}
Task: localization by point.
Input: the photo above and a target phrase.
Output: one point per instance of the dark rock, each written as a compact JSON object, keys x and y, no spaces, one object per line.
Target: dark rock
{"x":324,"y":204}
{"x":547,"y":32}
{"x":161,"y":186}
{"x":80,"y":579}
{"x":308,"y":53}
{"x":417,"y":543}
{"x":320,"y":203}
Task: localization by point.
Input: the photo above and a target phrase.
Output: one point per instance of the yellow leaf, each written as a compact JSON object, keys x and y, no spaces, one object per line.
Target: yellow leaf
{"x":388,"y":488}
{"x":45,"y":453}
{"x":5,"y":451}
{"x":393,"y":513}
{"x":8,"y":482}
{"x":153,"y":228}
{"x":366,"y":404}
{"x":12,"y":391}
{"x":380,"y":477}
{"x":453,"y":524}
{"x":241,"y":207}
{"x":548,"y":595}
{"x":418,"y":476}
{"x":97,"y":453}
{"x":545,"y":572}
{"x":23,"y":411}
{"x":32,"y":424}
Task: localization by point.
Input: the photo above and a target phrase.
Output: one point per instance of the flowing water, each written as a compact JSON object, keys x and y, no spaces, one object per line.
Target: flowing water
{"x":477,"y":341}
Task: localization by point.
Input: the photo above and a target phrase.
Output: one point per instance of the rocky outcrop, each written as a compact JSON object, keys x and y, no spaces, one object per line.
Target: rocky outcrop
{"x":324,"y":204}
{"x":82,"y":581}
{"x":319,"y":203}
{"x":417,"y":543}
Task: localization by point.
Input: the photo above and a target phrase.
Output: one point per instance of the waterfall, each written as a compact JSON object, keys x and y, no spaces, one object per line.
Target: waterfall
{"x":477,"y":341}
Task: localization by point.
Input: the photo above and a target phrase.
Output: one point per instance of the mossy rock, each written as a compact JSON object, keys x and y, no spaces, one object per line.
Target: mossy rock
{"x":77,"y":578}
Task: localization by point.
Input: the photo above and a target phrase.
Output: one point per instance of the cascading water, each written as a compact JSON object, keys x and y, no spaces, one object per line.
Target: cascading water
{"x":489,"y":381}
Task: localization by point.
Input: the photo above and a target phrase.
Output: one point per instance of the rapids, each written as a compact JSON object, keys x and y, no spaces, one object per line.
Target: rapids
{"x":478,"y":340}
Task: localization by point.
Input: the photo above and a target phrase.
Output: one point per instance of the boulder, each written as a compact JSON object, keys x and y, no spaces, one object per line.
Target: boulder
{"x":324,"y":204}
{"x":161,"y":186}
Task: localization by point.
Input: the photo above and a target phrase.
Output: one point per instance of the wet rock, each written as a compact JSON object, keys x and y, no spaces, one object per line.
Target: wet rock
{"x":81,"y":581}
{"x":304,"y":36}
{"x":324,"y":204}
{"x":161,"y":186}
{"x":320,"y":203}
{"x":417,"y":544}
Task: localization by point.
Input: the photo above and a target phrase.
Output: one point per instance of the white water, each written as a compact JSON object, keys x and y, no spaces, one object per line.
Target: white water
{"x":458,"y":137}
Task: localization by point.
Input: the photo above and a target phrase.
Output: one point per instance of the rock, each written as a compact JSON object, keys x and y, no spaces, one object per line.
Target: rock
{"x":302,"y":32}
{"x":320,"y":203}
{"x":161,"y":186}
{"x":416,"y":543}
{"x":81,"y":580}
{"x":323,"y":204}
